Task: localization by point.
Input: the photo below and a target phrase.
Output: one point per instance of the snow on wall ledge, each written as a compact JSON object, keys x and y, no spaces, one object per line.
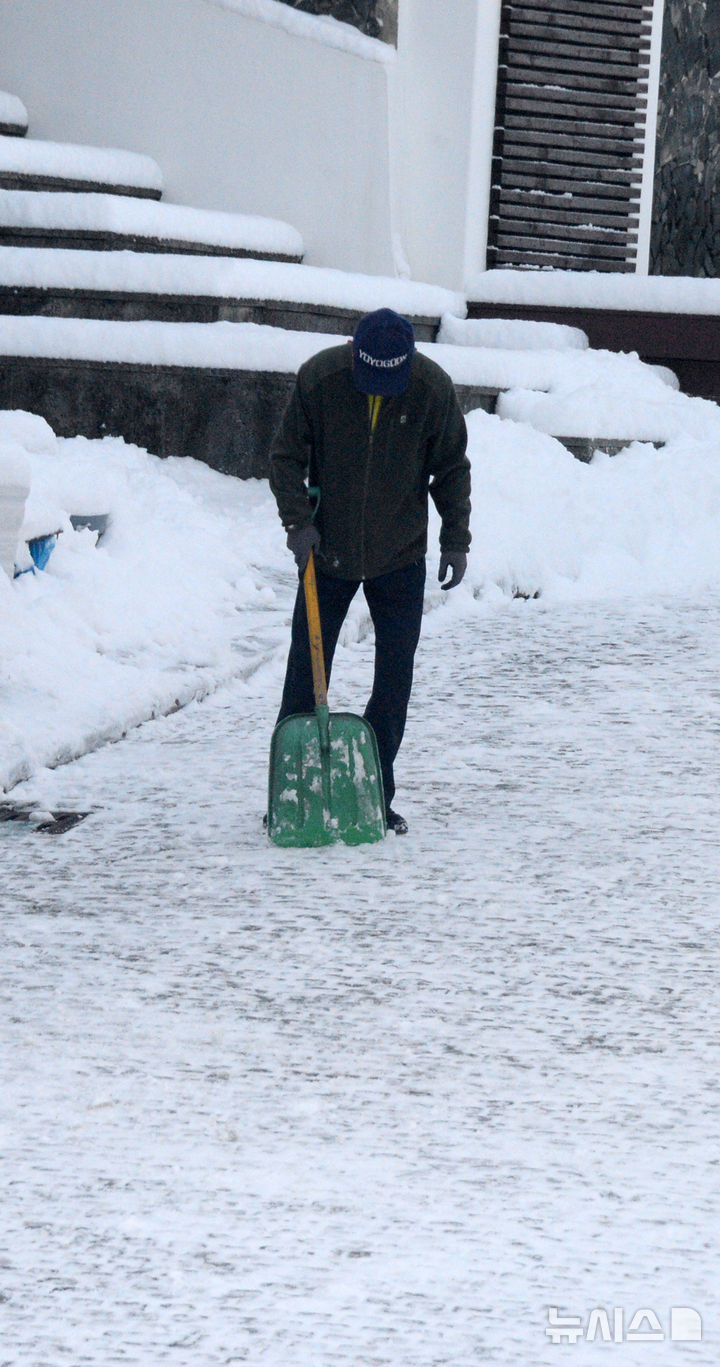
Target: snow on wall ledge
{"x":596,"y":290}
{"x":317,"y":28}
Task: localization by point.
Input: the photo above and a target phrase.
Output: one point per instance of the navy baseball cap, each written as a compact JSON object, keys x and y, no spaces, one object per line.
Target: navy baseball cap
{"x":383,"y":348}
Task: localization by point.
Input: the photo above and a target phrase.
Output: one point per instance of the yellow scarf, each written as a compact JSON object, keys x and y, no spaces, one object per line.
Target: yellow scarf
{"x":374,"y":402}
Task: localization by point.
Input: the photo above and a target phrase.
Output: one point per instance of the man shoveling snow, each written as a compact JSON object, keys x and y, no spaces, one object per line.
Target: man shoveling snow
{"x":374,"y":427}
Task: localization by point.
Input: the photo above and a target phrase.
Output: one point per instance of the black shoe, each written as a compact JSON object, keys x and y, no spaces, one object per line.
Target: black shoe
{"x":396,"y":822}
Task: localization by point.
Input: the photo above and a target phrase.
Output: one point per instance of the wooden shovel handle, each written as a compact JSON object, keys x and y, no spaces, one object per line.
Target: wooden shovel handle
{"x":315,"y":633}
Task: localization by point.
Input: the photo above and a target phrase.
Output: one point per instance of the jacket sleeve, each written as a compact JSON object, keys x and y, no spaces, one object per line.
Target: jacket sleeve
{"x":450,"y":475}
{"x":290,"y":459}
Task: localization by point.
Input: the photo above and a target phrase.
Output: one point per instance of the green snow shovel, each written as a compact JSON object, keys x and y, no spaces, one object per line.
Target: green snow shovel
{"x":325,"y":783}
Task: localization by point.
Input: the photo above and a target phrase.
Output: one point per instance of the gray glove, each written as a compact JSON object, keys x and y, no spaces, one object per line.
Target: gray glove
{"x":455,"y":561}
{"x":301,"y":541}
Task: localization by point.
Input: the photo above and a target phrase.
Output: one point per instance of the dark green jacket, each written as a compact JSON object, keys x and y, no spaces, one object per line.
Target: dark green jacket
{"x":373,"y":512}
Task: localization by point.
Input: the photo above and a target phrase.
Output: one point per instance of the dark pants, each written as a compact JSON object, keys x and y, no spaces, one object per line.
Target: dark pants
{"x":395,"y":602}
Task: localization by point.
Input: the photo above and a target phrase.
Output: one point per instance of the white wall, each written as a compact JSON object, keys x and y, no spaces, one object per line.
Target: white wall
{"x":442,"y":117}
{"x":239,"y":114}
{"x":650,"y":148}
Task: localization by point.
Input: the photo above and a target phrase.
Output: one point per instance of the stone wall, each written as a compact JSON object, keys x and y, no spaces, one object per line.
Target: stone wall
{"x":686,"y":210}
{"x":376,"y":18}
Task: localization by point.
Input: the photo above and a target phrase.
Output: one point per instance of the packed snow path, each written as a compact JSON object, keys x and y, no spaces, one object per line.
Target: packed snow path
{"x":384,"y":1105}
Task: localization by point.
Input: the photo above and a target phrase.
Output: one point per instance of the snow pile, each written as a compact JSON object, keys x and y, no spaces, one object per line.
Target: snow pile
{"x":642,"y":522}
{"x":597,"y":290}
{"x":603,"y":394}
{"x":98,"y":213}
{"x":157,"y":613}
{"x":320,"y":28}
{"x":596,"y":394}
{"x":192,"y":583}
{"x":222,"y":277}
{"x":610,"y":375}
{"x":65,"y":161}
{"x":510,"y":334}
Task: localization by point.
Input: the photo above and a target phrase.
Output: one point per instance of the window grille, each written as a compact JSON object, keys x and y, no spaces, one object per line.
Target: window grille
{"x":569,"y":138}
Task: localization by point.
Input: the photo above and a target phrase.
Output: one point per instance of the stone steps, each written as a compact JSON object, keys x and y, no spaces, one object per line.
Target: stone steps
{"x":125,"y":316}
{"x":27,"y":164}
{"x":584,"y":448}
{"x":36,"y":218}
{"x":58,"y":303}
{"x":669,"y":320}
{"x":214,"y":392}
{"x":86,"y":269}
{"x":19,"y":180}
{"x":137,"y":286}
{"x":113,"y":242}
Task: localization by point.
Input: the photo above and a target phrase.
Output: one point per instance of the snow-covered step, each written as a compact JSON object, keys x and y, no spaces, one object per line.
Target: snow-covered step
{"x":223,"y":346}
{"x":13,"y":116}
{"x":27,"y":164}
{"x":535,"y":385}
{"x":111,"y":222}
{"x":511,"y":334}
{"x":154,"y":286}
{"x":214,"y":391}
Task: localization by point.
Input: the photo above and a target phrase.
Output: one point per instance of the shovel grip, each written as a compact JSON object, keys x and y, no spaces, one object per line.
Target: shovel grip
{"x":315,"y":633}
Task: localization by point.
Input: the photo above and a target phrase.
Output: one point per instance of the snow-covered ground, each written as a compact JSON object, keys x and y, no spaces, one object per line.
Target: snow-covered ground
{"x":387,"y":1105}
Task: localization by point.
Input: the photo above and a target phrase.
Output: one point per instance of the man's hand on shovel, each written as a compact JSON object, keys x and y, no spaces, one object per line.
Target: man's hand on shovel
{"x":301,"y":541}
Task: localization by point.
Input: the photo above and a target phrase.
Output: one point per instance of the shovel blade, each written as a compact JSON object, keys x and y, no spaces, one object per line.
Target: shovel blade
{"x":320,"y":794}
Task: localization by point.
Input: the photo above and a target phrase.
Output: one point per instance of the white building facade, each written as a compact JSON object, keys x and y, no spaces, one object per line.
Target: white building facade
{"x":383,"y":157}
